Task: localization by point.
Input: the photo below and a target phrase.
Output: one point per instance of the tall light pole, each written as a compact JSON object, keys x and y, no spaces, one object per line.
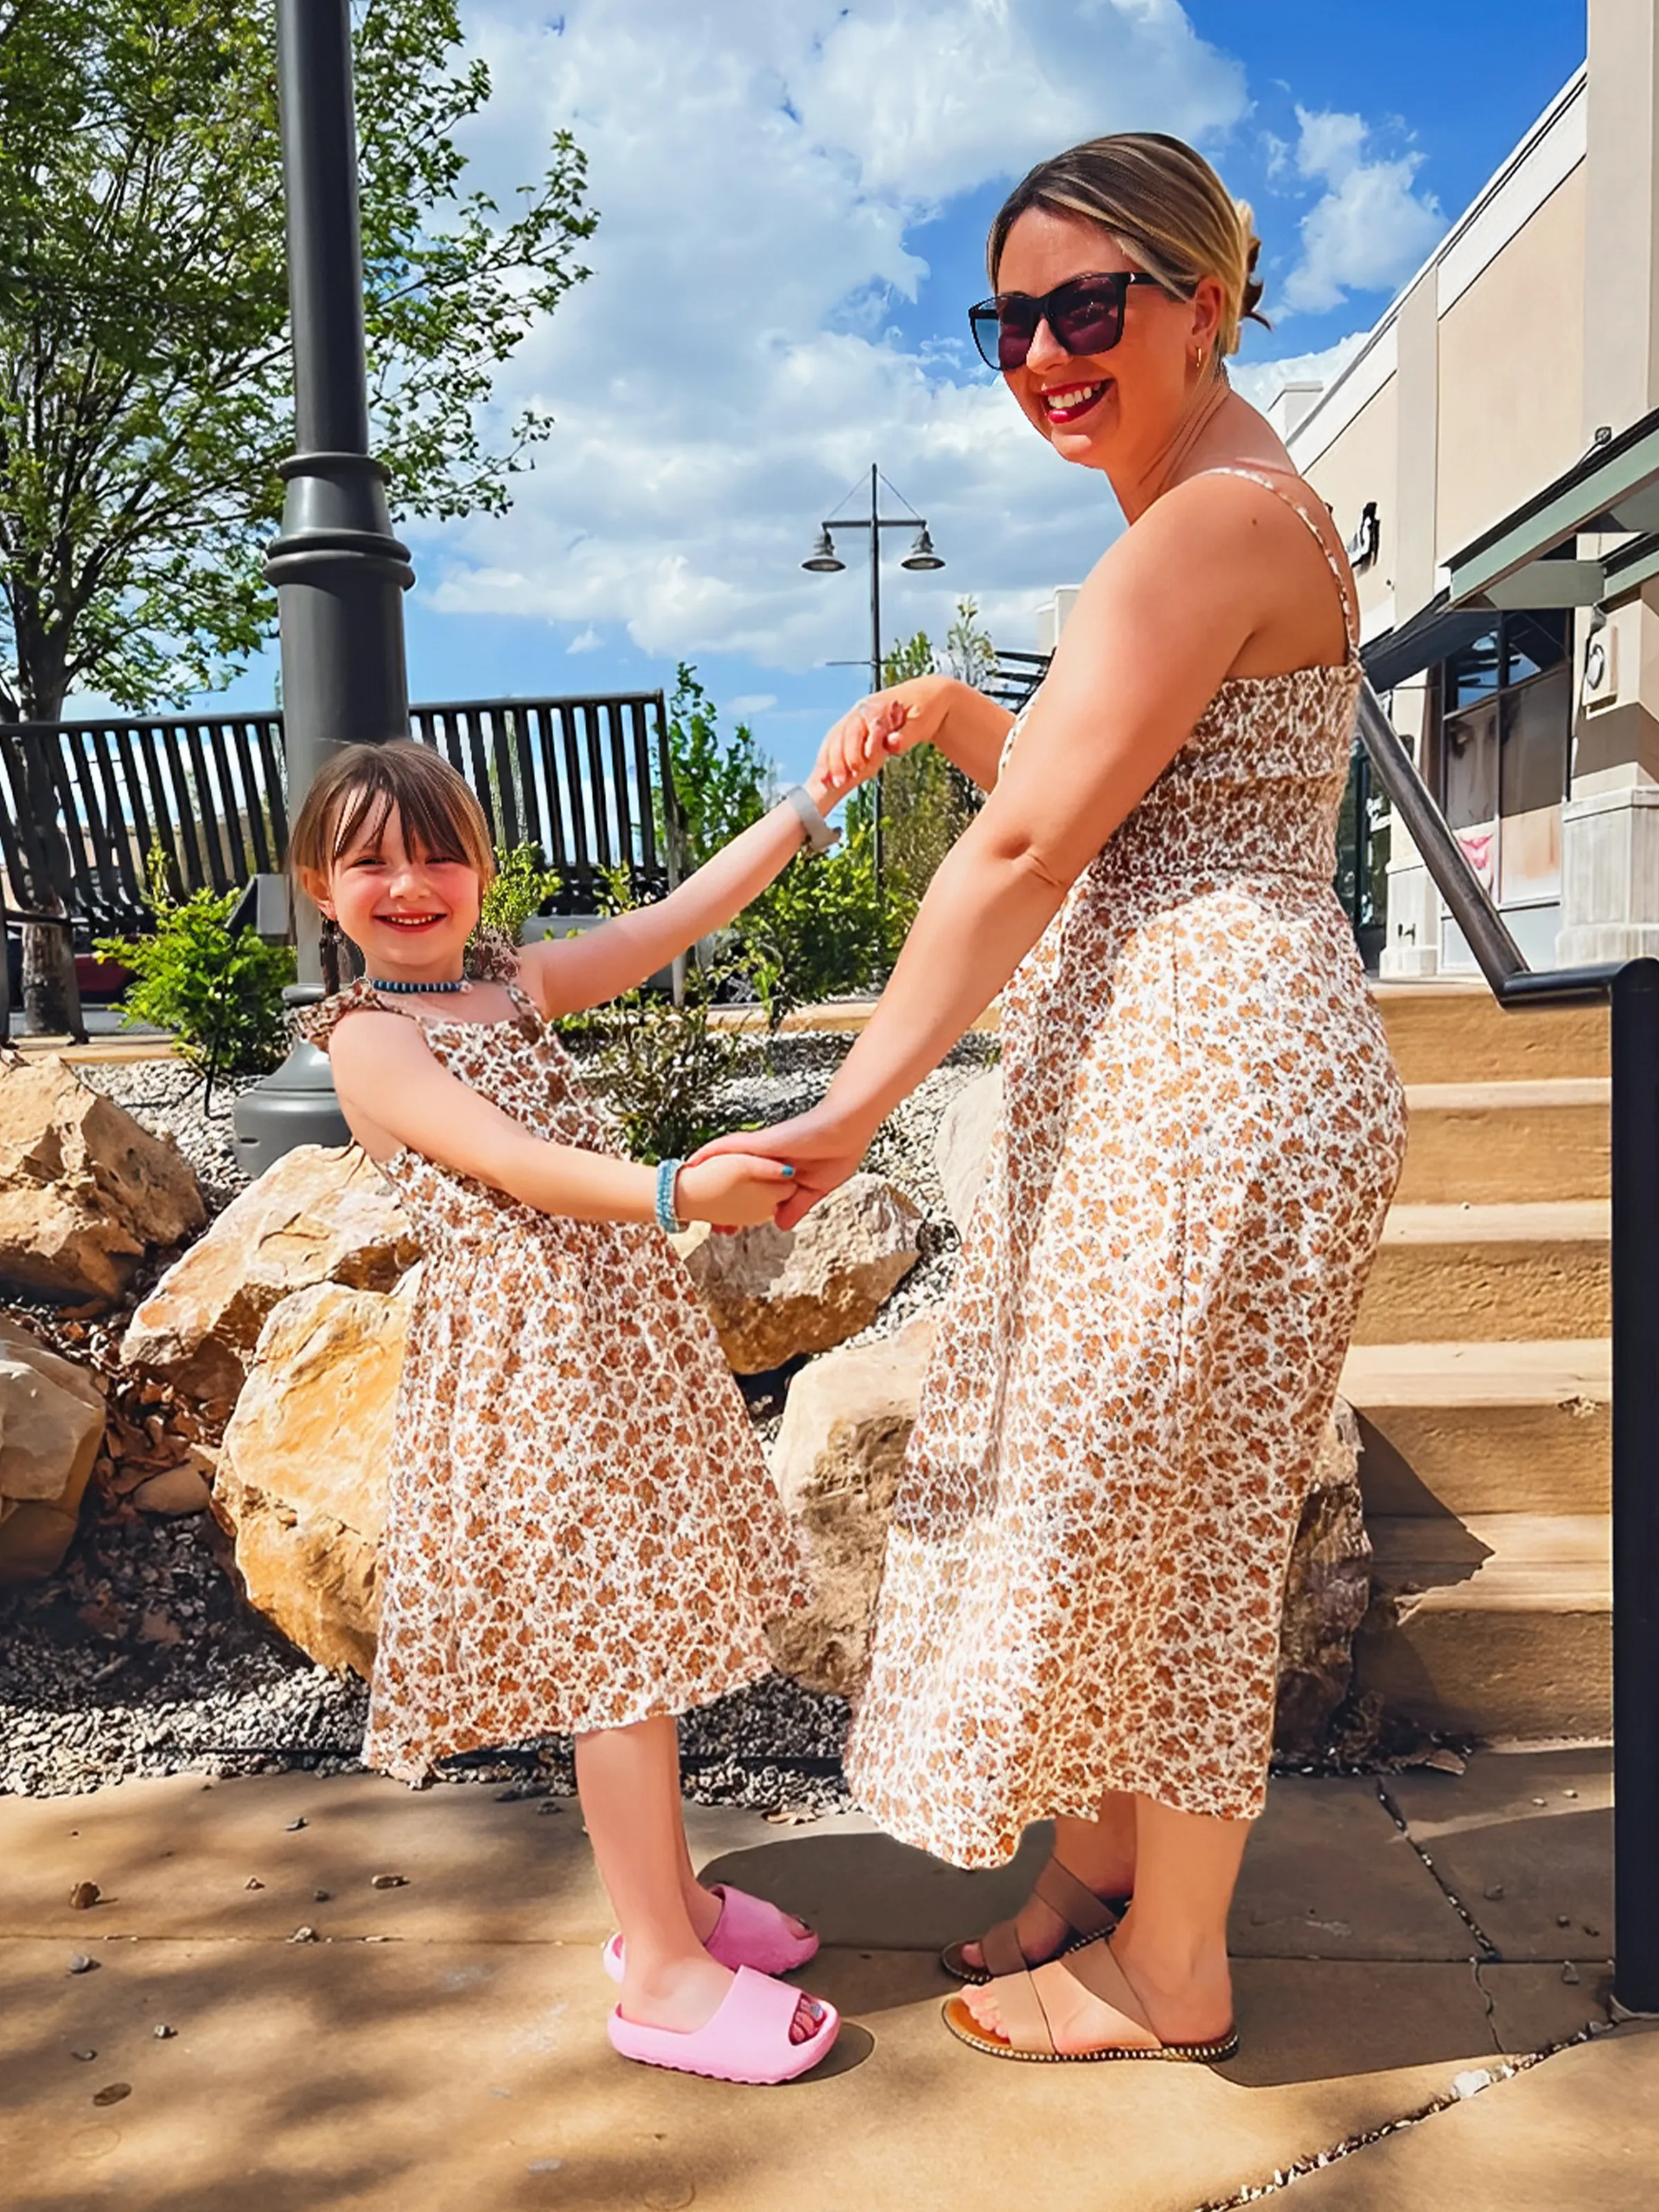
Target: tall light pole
{"x":340,"y":573}
{"x":822,"y":561}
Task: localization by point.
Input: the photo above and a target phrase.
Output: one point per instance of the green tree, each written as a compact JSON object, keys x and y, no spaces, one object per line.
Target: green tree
{"x":926,"y":801}
{"x":145,"y":397}
{"x":819,"y":929}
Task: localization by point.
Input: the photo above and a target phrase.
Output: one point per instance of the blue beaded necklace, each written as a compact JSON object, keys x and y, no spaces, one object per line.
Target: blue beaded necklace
{"x":417,"y":990}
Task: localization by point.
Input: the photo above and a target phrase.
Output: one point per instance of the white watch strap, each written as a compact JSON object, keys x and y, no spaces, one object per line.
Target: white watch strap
{"x":820,"y":835}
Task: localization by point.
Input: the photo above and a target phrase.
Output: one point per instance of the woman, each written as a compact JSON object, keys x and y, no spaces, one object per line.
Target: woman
{"x":1201,"y":1130}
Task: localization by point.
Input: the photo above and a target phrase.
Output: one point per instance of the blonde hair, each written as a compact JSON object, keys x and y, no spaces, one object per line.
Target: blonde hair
{"x":1167,"y":209}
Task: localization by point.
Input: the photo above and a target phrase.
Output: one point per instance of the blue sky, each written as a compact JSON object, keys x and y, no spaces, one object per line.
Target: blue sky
{"x":793,"y":199}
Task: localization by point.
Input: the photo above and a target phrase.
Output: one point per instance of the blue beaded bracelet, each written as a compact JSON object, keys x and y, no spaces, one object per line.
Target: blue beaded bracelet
{"x":667,"y":1220}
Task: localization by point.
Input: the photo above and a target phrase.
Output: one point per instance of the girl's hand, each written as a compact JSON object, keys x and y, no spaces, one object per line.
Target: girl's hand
{"x":822,"y":1147}
{"x":885,"y":724}
{"x":739,"y":1190}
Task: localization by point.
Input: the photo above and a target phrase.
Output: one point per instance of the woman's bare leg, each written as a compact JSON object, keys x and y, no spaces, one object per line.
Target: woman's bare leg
{"x":1100,"y":1852}
{"x":1172,"y":1942}
{"x":628,"y":1781}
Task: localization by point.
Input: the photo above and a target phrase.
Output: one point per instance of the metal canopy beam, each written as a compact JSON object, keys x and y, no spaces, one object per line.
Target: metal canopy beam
{"x":1615,"y":487}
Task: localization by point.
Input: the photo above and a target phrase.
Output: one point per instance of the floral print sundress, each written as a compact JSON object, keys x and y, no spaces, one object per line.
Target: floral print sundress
{"x":1201,"y":1130}
{"x":581,"y":1531}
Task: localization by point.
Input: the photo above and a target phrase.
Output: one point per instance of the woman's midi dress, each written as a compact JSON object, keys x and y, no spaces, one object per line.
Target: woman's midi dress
{"x":1201,"y":1129}
{"x":581,"y":1532}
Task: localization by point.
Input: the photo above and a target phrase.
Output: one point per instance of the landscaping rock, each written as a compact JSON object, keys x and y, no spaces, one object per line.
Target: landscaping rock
{"x":301,"y":1486}
{"x":1327,"y":1591}
{"x":837,"y":1462}
{"x":962,"y":1143}
{"x":183,"y":1489}
{"x":52,"y":1421}
{"x":319,"y":1215}
{"x":85,"y":1191}
{"x":777,"y":1294}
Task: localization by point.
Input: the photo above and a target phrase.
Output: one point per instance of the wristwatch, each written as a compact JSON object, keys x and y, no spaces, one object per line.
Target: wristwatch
{"x":820,"y":835}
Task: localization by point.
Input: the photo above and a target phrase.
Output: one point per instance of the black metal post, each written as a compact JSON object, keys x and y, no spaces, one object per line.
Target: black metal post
{"x":1636,"y":1485}
{"x":340,"y":573}
{"x":875,"y":670}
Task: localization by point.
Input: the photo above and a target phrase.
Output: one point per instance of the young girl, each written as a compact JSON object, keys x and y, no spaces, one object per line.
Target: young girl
{"x":581,"y":1536}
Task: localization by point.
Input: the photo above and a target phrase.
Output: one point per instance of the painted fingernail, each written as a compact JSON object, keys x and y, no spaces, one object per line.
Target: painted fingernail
{"x":789,"y":1171}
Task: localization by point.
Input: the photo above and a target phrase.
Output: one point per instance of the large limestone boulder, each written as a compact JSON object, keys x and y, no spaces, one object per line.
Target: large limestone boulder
{"x":962,"y":1144}
{"x":777,"y":1294}
{"x":319,"y":1215}
{"x":84,"y":1190}
{"x":837,"y":1462}
{"x":1327,"y":1591}
{"x":52,"y":1421}
{"x":302,"y":1480}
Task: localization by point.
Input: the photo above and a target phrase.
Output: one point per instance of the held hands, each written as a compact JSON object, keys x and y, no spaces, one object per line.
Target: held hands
{"x":739,"y":1190}
{"x":823,"y":1148}
{"x":879,"y":728}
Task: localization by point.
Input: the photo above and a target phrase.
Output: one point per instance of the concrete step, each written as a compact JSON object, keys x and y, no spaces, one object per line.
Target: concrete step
{"x":1473,"y":1274}
{"x":1499,"y":1625}
{"x":1489,"y":1143}
{"x":1483,"y":1428}
{"x":1455,"y":1031}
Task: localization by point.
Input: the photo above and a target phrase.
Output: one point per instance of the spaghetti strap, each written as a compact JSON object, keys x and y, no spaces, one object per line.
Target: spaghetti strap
{"x":1265,"y":478}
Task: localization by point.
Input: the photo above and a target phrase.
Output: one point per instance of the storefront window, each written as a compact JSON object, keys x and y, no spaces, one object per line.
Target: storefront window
{"x":1505,"y":732}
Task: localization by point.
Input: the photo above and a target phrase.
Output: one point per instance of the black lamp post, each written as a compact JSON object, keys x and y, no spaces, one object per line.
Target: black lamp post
{"x":340,"y":573}
{"x":822,"y":561}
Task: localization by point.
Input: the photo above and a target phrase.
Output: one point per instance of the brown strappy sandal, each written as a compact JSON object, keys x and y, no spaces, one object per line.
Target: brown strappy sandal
{"x":1029,"y":2039}
{"x":1085,"y":1915}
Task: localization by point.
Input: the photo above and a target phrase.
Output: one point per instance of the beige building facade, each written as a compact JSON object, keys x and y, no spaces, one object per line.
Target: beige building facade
{"x":1491,"y":454}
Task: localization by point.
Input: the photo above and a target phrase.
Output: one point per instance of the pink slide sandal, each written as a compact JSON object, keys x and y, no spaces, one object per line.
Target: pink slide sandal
{"x":749,"y":1932}
{"x":746,"y":2040}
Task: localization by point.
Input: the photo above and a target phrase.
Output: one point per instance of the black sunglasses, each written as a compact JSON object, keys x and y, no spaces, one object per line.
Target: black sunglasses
{"x":1085,"y":315}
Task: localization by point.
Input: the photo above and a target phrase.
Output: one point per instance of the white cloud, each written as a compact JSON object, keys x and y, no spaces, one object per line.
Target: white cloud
{"x":587,"y":640}
{"x":728,"y":372}
{"x":1368,"y":229}
{"x":752,"y":702}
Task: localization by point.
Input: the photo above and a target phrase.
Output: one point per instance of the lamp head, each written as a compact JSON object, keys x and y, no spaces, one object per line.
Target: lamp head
{"x":823,"y":559}
{"x":921,"y":554}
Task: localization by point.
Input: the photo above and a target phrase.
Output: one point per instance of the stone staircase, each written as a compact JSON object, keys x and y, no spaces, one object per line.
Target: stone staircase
{"x":1481,"y":1371}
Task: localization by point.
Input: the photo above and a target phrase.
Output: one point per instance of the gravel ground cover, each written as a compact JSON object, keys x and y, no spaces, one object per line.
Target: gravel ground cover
{"x":139,"y":1658}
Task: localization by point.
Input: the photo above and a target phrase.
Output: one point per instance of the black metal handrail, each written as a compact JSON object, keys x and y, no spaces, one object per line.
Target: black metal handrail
{"x":1630,"y":987}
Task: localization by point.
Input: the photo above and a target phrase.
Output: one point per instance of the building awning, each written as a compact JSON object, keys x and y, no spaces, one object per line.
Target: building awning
{"x":1432,"y":633}
{"x":1525,"y":560}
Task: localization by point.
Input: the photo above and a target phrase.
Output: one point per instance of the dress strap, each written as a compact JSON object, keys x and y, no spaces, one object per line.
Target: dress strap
{"x":1265,"y":478}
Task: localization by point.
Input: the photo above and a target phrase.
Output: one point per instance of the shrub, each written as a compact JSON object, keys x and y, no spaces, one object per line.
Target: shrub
{"x":659,"y":1066}
{"x":522,"y":887}
{"x":219,"y":993}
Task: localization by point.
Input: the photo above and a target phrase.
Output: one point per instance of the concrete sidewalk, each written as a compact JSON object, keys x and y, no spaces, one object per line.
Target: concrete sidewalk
{"x":438,"y":2046}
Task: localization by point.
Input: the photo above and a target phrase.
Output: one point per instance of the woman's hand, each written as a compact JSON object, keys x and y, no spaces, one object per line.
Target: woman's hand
{"x":885,"y":724}
{"x":739,"y":1190}
{"x":822,"y":1147}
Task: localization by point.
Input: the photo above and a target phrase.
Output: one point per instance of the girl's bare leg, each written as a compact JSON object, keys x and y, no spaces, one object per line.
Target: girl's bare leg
{"x":628,"y":1781}
{"x":702,"y":1906}
{"x":1100,"y":1852}
{"x":1172,"y":1942}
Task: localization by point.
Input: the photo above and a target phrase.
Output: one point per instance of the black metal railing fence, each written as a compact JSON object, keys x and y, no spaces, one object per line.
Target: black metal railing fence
{"x":588,"y":780}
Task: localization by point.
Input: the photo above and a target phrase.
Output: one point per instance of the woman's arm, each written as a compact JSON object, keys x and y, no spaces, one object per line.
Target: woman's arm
{"x":1160,"y":621}
{"x":968,"y":728}
{"x":566,"y":974}
{"x":394,"y":1092}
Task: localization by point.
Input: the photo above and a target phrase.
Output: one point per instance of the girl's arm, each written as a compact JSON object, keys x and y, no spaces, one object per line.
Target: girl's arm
{"x":968,"y":728}
{"x":568,"y":973}
{"x":1161,"y":621}
{"x":395,"y":1093}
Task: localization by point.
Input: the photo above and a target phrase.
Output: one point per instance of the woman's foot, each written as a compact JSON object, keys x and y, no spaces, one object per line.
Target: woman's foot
{"x":685,"y":1994}
{"x":1189,"y":2005}
{"x":1043,"y":1932}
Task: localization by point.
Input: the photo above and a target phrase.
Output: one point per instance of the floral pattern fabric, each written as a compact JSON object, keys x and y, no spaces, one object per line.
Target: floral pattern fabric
{"x":581,"y":1531}
{"x":1201,"y":1130}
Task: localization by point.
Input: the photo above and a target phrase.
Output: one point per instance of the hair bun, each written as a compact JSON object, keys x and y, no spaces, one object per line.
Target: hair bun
{"x":1249,"y":291}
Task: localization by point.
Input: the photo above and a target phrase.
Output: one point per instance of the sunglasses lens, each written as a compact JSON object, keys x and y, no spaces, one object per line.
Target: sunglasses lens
{"x":1088,"y":321}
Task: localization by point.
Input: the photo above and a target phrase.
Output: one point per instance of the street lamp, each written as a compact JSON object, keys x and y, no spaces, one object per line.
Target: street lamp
{"x":340,"y":573}
{"x":822,"y":561}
